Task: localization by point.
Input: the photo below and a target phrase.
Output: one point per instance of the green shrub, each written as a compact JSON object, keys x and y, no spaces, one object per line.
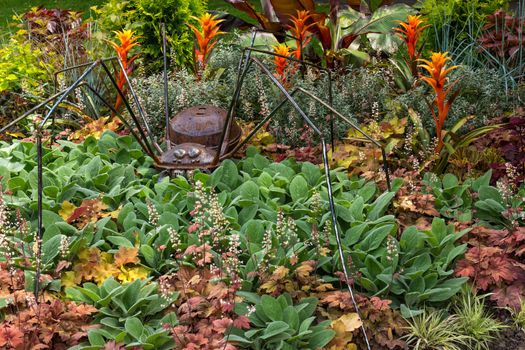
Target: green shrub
{"x":447,"y":18}
{"x":131,"y":313}
{"x":279,"y":324}
{"x":145,"y":16}
{"x":21,"y":68}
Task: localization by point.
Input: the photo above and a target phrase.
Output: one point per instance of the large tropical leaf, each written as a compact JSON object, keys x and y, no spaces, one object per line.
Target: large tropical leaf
{"x":381,"y":22}
{"x":262,"y":19}
{"x":284,"y":9}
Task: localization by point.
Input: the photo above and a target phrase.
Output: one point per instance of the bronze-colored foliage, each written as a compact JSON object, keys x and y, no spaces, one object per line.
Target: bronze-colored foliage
{"x":204,"y":308}
{"x":49,"y":324}
{"x":494,"y":262}
{"x":384,"y":325}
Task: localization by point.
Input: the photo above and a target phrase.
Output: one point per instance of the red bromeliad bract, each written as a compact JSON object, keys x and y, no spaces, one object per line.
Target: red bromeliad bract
{"x":127,"y":41}
{"x":438,"y":70}
{"x":205,"y":39}
{"x":301,"y":30}
{"x":410,"y":31}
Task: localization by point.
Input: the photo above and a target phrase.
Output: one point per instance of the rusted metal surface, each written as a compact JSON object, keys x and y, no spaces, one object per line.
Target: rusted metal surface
{"x":202,"y":125}
{"x":187,"y":156}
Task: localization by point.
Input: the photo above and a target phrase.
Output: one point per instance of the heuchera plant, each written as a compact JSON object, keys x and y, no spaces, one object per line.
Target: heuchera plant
{"x":494,"y":263}
{"x":48,"y":324}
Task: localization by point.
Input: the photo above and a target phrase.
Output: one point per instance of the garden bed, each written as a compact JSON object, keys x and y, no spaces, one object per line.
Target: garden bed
{"x":388,"y":213}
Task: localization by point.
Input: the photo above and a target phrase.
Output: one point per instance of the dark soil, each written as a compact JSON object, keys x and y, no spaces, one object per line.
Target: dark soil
{"x":511,"y":338}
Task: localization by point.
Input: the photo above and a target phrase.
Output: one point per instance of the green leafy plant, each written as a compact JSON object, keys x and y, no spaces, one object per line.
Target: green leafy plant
{"x":414,"y":270}
{"x":452,"y":197}
{"x":458,"y":14}
{"x":21,"y":67}
{"x":130,"y":313}
{"x":518,"y":316}
{"x":475,"y":321}
{"x":435,"y":330}
{"x":145,"y":16}
{"x":279,"y":323}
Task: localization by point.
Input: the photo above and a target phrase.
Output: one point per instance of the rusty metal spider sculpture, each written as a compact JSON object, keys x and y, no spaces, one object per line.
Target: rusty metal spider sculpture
{"x":192,"y":137}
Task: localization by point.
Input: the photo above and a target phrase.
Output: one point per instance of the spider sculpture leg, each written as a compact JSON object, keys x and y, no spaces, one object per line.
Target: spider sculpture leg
{"x":58,"y":99}
{"x":289,"y":98}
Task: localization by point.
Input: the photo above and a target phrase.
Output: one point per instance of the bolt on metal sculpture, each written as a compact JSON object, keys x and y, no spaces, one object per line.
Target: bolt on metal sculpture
{"x":202,"y":136}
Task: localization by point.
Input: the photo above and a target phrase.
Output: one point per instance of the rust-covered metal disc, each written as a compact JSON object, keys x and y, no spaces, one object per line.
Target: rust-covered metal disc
{"x":202,"y":125}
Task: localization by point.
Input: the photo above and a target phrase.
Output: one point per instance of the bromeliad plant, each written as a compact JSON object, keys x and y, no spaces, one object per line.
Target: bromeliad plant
{"x":301,"y":29}
{"x":126,"y":42}
{"x":337,"y":32}
{"x":281,"y":63}
{"x":437,"y":79}
{"x":206,"y":40}
{"x":410,"y":31}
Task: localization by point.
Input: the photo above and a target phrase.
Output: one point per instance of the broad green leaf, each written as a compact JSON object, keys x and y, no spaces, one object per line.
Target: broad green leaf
{"x":134,"y":327}
{"x":271,"y":308}
{"x":320,"y":339}
{"x":298,"y":188}
{"x":274,"y":328}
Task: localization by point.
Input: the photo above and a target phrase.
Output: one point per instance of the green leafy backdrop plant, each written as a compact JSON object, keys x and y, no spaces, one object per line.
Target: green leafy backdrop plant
{"x":145,"y":16}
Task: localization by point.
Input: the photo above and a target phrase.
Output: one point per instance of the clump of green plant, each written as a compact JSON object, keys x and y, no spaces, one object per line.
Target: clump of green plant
{"x":21,"y":68}
{"x":475,"y":321}
{"x":435,"y":330}
{"x":518,"y":315}
{"x":145,"y":16}
{"x":129,"y":313}
{"x":448,"y":16}
{"x":279,"y":323}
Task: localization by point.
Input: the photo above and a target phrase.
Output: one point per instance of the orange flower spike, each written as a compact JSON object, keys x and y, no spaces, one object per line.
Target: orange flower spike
{"x":209,"y":29}
{"x":127,"y":42}
{"x":410,"y":31}
{"x":438,"y":71}
{"x":281,"y":62}
{"x":300,"y":29}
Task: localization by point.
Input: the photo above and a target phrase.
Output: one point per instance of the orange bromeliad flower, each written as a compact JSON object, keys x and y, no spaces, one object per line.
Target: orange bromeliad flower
{"x":205,"y":38}
{"x":301,"y":30}
{"x":410,"y":32}
{"x":127,"y":41}
{"x":438,"y":70}
{"x":281,"y":62}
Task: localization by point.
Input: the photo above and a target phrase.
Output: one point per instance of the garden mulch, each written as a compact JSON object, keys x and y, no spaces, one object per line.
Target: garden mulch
{"x":511,"y":338}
